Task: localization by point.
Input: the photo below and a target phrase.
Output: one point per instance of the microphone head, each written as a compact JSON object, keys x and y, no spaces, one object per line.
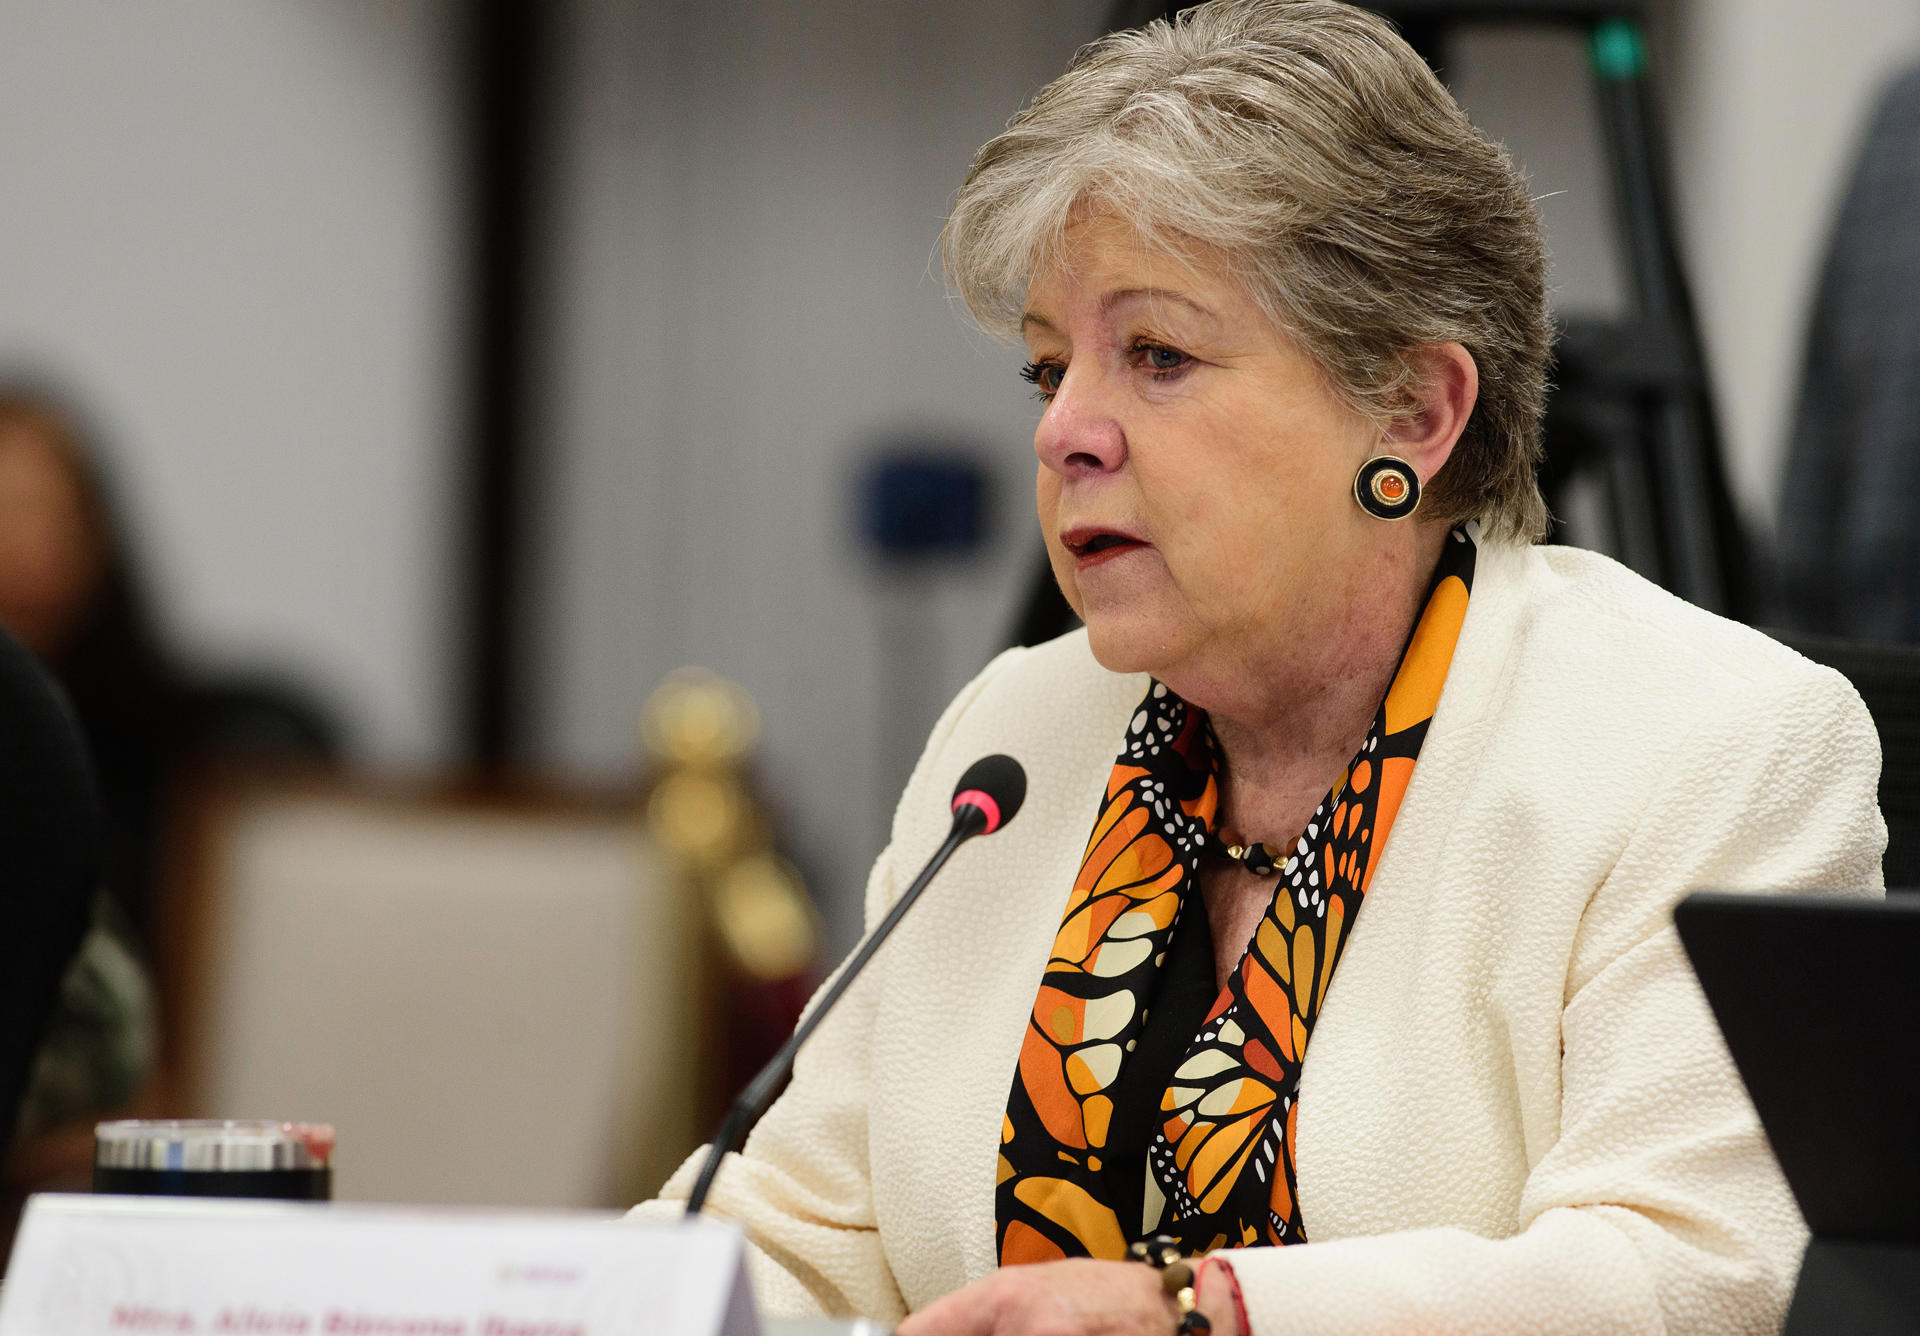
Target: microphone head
{"x":995,"y":786}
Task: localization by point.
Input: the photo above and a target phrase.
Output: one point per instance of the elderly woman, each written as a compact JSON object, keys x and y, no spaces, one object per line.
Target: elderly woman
{"x":1334,"y":942}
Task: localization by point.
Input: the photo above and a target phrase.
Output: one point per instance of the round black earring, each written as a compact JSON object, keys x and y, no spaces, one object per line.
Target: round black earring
{"x":1387,"y":488}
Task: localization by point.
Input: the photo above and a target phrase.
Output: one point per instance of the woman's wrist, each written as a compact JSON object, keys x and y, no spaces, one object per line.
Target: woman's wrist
{"x":1218,"y":1292}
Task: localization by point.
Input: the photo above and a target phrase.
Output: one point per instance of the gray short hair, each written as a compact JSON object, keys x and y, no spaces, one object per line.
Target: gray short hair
{"x":1361,"y":209}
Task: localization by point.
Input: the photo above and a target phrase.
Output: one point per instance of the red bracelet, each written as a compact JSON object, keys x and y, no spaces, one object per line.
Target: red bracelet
{"x":1233,"y":1290}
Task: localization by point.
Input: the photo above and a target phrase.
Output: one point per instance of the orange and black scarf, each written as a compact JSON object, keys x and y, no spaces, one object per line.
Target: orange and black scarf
{"x":1219,"y":1163}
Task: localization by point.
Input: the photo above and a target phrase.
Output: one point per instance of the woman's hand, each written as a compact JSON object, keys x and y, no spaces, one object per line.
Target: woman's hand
{"x":1074,"y":1298}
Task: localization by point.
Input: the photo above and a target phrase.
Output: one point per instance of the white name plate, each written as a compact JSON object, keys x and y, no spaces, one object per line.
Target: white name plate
{"x":158,"y":1266}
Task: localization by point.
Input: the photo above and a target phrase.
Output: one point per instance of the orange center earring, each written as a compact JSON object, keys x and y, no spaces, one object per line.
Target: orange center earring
{"x":1387,"y":488}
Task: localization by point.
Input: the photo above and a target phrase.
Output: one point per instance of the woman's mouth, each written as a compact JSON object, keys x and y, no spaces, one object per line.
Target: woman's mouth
{"x":1091,"y":547}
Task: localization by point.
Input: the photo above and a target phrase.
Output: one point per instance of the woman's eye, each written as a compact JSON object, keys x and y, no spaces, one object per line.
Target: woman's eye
{"x":1043,"y":376}
{"x":1156,"y":358}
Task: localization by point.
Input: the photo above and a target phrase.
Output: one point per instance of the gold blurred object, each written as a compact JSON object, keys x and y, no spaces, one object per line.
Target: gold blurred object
{"x":701,"y":729}
{"x":765,"y":919}
{"x":702,"y":818}
{"x":698,"y":718}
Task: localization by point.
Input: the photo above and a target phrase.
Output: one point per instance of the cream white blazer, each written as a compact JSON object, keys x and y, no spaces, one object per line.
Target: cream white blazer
{"x":1516,"y":1114}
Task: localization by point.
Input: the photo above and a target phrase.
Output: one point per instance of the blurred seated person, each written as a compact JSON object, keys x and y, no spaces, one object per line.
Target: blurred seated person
{"x":1848,"y":546}
{"x":1333,"y":947}
{"x":50,"y":852}
{"x":69,"y":591}
{"x":66,"y":591}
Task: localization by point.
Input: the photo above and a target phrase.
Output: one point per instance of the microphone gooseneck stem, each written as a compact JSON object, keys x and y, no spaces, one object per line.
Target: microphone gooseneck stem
{"x":745,"y":1110}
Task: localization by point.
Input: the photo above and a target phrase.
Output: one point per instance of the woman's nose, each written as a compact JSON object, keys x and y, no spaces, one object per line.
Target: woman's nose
{"x":1078,"y":433}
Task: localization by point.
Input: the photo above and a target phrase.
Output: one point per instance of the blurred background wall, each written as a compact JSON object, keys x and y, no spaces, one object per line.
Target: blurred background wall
{"x":744,"y":302}
{"x":234,"y":231}
{"x":239,"y":230}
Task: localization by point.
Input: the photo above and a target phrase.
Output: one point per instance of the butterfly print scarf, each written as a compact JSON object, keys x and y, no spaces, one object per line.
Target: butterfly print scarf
{"x":1220,"y":1156}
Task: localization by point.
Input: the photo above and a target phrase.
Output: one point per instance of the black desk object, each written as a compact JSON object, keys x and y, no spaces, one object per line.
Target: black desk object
{"x":1818,"y":998}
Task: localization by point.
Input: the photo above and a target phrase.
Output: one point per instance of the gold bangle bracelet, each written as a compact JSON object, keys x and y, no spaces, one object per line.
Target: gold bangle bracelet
{"x":1176,"y":1279}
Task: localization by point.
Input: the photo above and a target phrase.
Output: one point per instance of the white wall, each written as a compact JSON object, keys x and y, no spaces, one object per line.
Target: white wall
{"x":753,"y":192}
{"x":230,"y":227}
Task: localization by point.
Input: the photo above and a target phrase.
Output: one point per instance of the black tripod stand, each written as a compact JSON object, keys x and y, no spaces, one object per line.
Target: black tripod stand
{"x":1632,"y":410}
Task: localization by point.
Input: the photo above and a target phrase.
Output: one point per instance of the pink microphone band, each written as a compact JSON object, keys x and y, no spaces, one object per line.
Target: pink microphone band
{"x":985,"y":802}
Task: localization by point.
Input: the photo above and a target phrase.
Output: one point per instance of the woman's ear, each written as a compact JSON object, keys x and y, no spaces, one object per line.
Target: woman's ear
{"x":1447,"y":387}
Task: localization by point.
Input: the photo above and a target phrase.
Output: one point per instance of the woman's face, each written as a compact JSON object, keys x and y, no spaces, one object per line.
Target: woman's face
{"x":1196,"y":474}
{"x":49,"y":560}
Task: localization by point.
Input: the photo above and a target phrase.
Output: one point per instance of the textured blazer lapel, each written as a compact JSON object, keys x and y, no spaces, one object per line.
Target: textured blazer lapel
{"x":1467,"y":712}
{"x":1503,"y":574}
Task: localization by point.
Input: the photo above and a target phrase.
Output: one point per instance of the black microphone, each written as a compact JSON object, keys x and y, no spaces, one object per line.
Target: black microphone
{"x":986,"y":798}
